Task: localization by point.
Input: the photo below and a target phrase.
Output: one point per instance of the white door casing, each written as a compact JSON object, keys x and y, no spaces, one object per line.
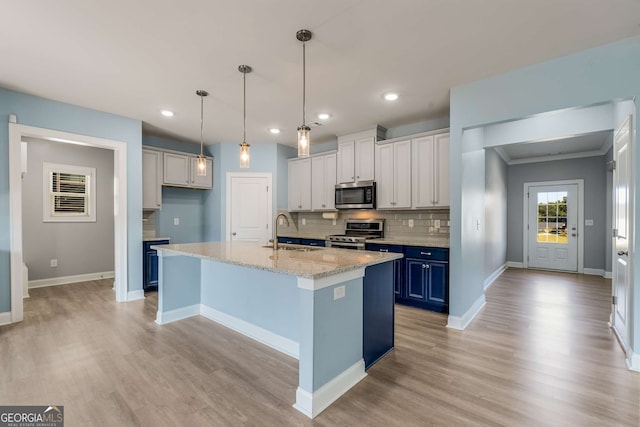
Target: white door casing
{"x":623,"y":231}
{"x":16,"y":133}
{"x":249,"y":207}
{"x":556,"y":243}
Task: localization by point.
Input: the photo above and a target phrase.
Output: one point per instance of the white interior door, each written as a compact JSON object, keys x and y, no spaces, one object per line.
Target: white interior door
{"x":553,"y":227}
{"x":622,"y":229}
{"x":249,"y":213}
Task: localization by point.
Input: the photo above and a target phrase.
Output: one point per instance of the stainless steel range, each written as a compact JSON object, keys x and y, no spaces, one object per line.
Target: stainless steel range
{"x":356,"y":233}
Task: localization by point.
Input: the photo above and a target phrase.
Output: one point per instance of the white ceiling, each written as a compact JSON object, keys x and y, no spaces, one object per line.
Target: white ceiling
{"x":134,"y":58}
{"x":591,"y":144}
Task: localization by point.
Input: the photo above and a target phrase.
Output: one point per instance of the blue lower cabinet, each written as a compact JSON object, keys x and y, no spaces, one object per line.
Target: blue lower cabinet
{"x":398,"y":264}
{"x":312,"y":242}
{"x":289,"y":240}
{"x":150,"y":265}
{"x":377,"y":312}
{"x":427,"y":284}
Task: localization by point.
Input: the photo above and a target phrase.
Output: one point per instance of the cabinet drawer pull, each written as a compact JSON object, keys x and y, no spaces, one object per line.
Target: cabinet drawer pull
{"x":425,"y":253}
{"x":384,"y":250}
{"x":425,"y":265}
{"x":313,"y":244}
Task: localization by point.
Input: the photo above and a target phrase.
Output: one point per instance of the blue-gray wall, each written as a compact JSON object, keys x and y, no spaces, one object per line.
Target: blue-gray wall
{"x":45,"y":113}
{"x":586,"y":78}
{"x":73,"y":244}
{"x":593,"y":171}
{"x":495,"y":202}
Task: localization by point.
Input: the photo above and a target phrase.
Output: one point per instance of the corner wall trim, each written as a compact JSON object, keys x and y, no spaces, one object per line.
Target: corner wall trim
{"x":515,"y":264}
{"x":312,"y":404}
{"x":164,"y":317}
{"x":493,"y":276}
{"x":268,"y":338}
{"x":461,"y":322}
{"x":633,"y":361}
{"x":55,"y":281}
{"x":135,"y":295}
{"x":5,"y":318}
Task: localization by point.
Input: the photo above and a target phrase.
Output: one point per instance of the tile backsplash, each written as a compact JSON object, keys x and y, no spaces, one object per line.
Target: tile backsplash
{"x":425,"y":222}
{"x":148,"y":223}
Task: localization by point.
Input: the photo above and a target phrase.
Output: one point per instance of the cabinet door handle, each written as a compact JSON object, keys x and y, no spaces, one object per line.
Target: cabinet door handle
{"x":425,"y":266}
{"x":425,"y":253}
{"x":299,"y":206}
{"x":324,"y":206}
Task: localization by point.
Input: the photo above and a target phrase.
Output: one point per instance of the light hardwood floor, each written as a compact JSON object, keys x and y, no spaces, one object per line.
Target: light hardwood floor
{"x":540,"y":353}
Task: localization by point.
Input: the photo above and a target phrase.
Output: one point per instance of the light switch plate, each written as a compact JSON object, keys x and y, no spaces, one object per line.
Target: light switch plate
{"x":176,"y":221}
{"x":588,"y":222}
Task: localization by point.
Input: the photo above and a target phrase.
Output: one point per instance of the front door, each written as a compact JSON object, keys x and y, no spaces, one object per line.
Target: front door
{"x":622,"y":229}
{"x":249,"y":216}
{"x":553,"y":227}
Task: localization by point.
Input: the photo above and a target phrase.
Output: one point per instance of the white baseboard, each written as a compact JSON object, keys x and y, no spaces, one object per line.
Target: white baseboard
{"x":461,"y":322}
{"x":608,"y":275}
{"x":633,"y":361}
{"x":5,"y":318}
{"x":162,"y":318}
{"x":515,"y":264}
{"x":493,"y":276}
{"x":135,"y":295}
{"x":275,"y":341}
{"x":593,"y":271}
{"x":55,"y":281}
{"x":311,"y":404}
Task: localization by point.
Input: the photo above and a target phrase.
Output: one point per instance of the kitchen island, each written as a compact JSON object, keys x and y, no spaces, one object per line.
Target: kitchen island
{"x":306,"y":302}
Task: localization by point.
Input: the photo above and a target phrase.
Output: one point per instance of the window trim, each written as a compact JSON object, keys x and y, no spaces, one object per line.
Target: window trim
{"x":47,"y":215}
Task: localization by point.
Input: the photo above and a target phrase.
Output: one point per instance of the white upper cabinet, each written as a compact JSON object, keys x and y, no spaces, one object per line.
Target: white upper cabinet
{"x":430,"y":171}
{"x":205,"y":181}
{"x":356,"y":153}
{"x":299,"y":185}
{"x":393,"y":175}
{"x":151,"y":179}
{"x":176,"y":169}
{"x":180,"y":170}
{"x":323,"y":182}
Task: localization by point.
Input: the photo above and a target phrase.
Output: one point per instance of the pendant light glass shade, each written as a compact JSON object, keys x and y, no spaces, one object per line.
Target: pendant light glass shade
{"x":303,"y":141}
{"x":303,"y":130}
{"x":245,"y":155}
{"x":201,"y":164}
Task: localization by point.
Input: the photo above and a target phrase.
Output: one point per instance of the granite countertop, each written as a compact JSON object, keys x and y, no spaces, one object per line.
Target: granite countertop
{"x":431,"y":241}
{"x":434,"y":242}
{"x":312,"y":264}
{"x":153,"y":239}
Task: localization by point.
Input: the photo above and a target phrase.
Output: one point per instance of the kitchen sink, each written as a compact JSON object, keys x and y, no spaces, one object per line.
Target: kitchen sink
{"x":285,"y":247}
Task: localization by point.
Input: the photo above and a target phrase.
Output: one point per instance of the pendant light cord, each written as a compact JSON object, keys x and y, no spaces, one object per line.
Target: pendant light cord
{"x":244,"y":107}
{"x":201,"y":122}
{"x":304,"y":78}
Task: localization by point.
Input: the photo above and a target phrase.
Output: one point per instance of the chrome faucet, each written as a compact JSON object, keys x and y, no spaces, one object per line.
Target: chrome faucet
{"x":275,"y":229}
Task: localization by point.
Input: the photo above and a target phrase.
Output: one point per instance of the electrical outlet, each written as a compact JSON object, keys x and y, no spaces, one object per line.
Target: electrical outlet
{"x":304,"y":221}
{"x":588,"y":222}
{"x":339,"y":292}
{"x":53,"y":263}
{"x":176,"y":221}
{"x":436,"y":223}
{"x":333,"y":222}
{"x":280,"y":221}
{"x":410,"y":223}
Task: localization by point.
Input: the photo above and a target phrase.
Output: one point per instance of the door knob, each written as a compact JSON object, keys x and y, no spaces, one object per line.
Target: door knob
{"x":621,"y":253}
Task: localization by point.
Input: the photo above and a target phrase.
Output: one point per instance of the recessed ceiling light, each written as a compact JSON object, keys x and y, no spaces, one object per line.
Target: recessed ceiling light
{"x":323,"y":116}
{"x":390,"y":96}
{"x":167,"y":113}
{"x":274,"y":131}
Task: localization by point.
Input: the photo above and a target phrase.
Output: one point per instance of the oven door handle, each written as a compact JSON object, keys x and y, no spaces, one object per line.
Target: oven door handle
{"x":344,"y":244}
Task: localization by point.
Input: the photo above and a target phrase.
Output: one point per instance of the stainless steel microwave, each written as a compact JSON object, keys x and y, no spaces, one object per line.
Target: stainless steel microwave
{"x":356,"y":195}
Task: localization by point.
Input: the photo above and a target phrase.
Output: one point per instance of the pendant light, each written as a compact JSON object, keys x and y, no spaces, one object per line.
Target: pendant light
{"x":202,"y":161}
{"x":245,"y":156}
{"x":303,"y":130}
